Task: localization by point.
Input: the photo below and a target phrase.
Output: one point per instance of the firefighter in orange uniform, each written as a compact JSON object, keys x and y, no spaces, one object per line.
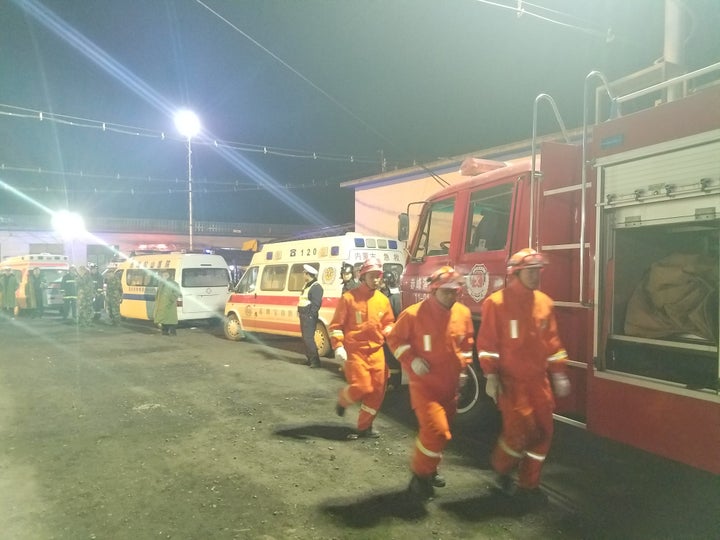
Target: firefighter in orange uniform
{"x":433,"y":340}
{"x":518,"y":345}
{"x":362,"y":319}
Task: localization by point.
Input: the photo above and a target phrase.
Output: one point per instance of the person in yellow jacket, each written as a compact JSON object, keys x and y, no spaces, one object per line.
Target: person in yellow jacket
{"x":518,"y":345}
{"x":357,"y":332}
{"x":433,"y":341}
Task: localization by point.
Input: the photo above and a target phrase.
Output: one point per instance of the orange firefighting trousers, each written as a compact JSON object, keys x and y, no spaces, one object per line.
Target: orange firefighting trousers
{"x":367,"y":379}
{"x":434,"y":420}
{"x":526,"y":436}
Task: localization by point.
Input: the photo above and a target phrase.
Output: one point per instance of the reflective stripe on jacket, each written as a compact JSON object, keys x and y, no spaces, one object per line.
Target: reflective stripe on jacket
{"x":443,"y":337}
{"x":361,"y":319}
{"x":518,"y":335}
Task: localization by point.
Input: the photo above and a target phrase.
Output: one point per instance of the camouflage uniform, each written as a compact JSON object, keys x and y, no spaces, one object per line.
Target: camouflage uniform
{"x":85,"y":292}
{"x":113,"y":292}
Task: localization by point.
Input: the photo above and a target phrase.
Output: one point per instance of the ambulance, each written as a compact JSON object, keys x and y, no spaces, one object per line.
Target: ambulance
{"x":204,"y":282}
{"x":52,"y":269}
{"x":266,"y":297}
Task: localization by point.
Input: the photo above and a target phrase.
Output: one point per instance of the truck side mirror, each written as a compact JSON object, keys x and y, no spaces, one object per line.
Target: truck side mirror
{"x":403,"y":227}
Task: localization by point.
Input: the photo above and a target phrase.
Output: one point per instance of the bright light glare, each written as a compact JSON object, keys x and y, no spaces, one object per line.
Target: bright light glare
{"x":68,"y":224}
{"x":187,"y":123}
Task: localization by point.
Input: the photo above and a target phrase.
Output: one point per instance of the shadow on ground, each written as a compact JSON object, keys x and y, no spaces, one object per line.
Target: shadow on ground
{"x":372,"y":510}
{"x":330,"y":432}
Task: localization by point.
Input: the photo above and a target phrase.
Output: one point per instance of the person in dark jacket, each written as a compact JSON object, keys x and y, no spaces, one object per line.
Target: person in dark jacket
{"x":392,"y":291}
{"x":347,"y":274}
{"x":308,"y":310}
{"x":69,"y":289}
{"x":113,"y":292}
{"x":34,"y":292}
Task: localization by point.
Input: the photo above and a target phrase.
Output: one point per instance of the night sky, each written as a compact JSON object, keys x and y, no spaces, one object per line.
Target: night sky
{"x":295,"y":96}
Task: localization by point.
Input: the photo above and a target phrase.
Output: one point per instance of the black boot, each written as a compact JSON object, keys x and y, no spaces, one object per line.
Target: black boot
{"x":421,"y":488}
{"x":339,"y":410}
{"x":315,"y":362}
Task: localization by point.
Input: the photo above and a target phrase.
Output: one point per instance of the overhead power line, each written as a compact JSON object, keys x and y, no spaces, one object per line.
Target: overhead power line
{"x":149,"y":184}
{"x":74,"y":121}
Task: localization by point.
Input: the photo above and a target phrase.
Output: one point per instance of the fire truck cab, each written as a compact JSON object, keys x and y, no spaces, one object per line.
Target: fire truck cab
{"x":633,"y":241}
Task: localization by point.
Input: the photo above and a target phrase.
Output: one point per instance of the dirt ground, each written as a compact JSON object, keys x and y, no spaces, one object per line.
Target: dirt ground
{"x":121,"y":433}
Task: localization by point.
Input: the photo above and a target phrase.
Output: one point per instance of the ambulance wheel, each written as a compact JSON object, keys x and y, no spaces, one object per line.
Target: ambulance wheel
{"x":470,"y":393}
{"x":322,"y":340}
{"x":233,"y":328}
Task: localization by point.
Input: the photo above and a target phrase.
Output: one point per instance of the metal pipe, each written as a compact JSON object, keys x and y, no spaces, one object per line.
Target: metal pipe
{"x":550,"y":100}
{"x":190,"y":209}
{"x":583,"y":174}
{"x":669,"y":82}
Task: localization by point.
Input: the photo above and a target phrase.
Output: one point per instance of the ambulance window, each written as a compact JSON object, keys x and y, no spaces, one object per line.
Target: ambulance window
{"x":205,"y":277}
{"x":296,"y":282}
{"x":247,"y":282}
{"x":273,"y":277}
{"x":488,"y":219}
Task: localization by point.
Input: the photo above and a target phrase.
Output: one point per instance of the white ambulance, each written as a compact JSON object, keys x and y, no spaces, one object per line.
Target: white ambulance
{"x":204,"y":282}
{"x":266,"y":297}
{"x":52,"y":269}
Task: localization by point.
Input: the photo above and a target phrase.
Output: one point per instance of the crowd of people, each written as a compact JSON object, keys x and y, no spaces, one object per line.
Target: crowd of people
{"x":518,"y":347}
{"x":86,"y":293}
{"x":519,"y":352}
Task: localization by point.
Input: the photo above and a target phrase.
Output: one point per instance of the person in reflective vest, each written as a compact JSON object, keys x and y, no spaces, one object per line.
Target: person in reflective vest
{"x":357,"y":332}
{"x":308,"y":311}
{"x":433,"y":341}
{"x":518,"y":345}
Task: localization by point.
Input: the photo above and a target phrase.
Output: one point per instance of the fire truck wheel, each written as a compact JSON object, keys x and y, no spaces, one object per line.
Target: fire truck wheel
{"x":322,"y":340}
{"x":233,"y":328}
{"x":470,"y":393}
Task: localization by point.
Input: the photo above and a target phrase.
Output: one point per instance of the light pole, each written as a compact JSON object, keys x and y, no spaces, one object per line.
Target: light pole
{"x":188,"y":124}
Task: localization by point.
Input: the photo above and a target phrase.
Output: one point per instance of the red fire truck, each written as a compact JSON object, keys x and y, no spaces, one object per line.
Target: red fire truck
{"x":632,"y":239}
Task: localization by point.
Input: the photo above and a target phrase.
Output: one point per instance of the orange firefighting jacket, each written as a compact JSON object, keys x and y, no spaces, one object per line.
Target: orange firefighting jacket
{"x":443,"y":337}
{"x":362,"y":318}
{"x":518,"y":336}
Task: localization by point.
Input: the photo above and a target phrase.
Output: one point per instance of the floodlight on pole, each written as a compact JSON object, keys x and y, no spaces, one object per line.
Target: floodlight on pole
{"x":188,"y":124}
{"x":68,"y":224}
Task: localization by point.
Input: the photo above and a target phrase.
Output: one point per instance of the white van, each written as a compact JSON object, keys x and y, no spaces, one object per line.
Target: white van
{"x":204,"y":282}
{"x":266,"y":297}
{"x":52,"y":269}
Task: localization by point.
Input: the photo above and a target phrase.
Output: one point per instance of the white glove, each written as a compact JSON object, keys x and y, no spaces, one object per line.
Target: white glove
{"x":420,"y":366}
{"x":341,"y":354}
{"x":560,"y":384}
{"x":493,"y":387}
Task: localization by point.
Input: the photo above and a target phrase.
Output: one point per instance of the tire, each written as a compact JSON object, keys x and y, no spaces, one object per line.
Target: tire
{"x":232,"y":327}
{"x":470,"y":393}
{"x":322,"y":340}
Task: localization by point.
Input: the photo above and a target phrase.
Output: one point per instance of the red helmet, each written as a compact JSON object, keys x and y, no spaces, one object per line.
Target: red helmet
{"x":445,"y":278}
{"x":525,"y":258}
{"x":372,"y":264}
